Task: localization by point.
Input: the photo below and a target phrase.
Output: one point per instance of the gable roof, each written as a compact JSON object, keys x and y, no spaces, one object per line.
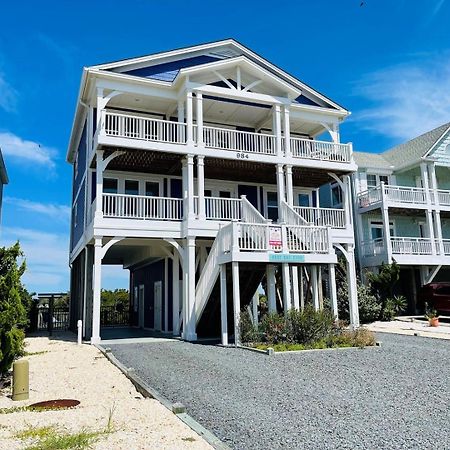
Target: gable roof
{"x":415,"y":149}
{"x":405,"y":154}
{"x":165,"y":66}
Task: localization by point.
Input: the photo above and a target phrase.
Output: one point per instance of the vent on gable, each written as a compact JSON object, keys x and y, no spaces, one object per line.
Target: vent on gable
{"x":224,"y":53}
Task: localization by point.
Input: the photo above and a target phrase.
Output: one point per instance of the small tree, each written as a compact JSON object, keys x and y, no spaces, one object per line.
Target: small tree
{"x":14,"y":302}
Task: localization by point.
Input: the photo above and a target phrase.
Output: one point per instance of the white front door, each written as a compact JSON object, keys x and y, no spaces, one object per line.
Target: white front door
{"x":158,"y":303}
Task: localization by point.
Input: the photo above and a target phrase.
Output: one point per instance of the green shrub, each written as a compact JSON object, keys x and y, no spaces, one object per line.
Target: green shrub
{"x":308,"y":326}
{"x":357,"y":338}
{"x":14,"y":300}
{"x":249,"y":333}
{"x":274,"y":328}
{"x":393,"y":307}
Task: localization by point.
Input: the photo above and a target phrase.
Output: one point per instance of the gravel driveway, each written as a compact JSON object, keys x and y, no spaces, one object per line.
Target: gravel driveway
{"x":392,"y":397}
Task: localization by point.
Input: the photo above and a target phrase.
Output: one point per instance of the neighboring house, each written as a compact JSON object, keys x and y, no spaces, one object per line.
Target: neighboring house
{"x":3,"y":179}
{"x":198,"y":170}
{"x":402,"y":208}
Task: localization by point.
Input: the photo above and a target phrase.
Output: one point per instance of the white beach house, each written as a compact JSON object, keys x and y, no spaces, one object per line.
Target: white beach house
{"x":199,"y":170}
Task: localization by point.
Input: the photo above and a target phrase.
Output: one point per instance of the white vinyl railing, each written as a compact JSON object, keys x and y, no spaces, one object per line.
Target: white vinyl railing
{"x":250,"y":214}
{"x":401,"y":194}
{"x":443,"y":197}
{"x":373,"y":247}
{"x":323,"y":151}
{"x":411,"y":246}
{"x":210,"y":271}
{"x":325,"y":217}
{"x":144,"y":128}
{"x":446,"y":245}
{"x":240,"y":141}
{"x":369,"y":197}
{"x":217,"y":208}
{"x":290,"y":216}
{"x":306,"y":239}
{"x":142,"y":207}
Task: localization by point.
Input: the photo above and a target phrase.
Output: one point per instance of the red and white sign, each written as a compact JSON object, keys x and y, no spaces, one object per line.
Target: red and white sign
{"x":275,"y":237}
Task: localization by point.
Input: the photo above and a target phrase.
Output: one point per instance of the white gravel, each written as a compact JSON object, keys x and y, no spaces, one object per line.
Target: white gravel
{"x":83,"y":373}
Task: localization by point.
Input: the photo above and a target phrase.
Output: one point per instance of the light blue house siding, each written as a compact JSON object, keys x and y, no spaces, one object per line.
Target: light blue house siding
{"x":404,"y":226}
{"x":407,"y":178}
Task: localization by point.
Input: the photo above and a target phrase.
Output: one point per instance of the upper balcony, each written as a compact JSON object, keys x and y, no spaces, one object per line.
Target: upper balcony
{"x":403,"y":197}
{"x":140,"y":132}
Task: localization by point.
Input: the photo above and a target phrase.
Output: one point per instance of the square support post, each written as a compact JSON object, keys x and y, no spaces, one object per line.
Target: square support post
{"x":223,"y":304}
{"x":287,"y":300}
{"x":271,"y":294}
{"x":199,"y":97}
{"x":333,"y":292}
{"x":189,"y":320}
{"x":295,"y":288}
{"x":386,"y":227}
{"x":281,"y":195}
{"x":97,"y":284}
{"x":175,"y":293}
{"x":201,"y":187}
{"x":315,"y":288}
{"x":289,"y":186}
{"x":99,"y":185}
{"x":189,"y":119}
{"x":236,"y":303}
{"x":352,"y":287}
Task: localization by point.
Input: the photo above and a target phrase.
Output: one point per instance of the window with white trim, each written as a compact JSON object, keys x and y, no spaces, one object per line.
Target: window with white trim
{"x":377,"y":229}
{"x":374,"y":180}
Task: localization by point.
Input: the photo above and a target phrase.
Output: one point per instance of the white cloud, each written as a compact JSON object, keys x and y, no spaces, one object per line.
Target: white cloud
{"x":57,"y":212}
{"x":406,"y":100}
{"x":8,"y":95}
{"x":14,"y":147}
{"x":47,"y":256}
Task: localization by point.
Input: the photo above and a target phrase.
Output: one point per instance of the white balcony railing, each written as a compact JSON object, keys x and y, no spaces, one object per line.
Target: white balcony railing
{"x":323,"y":151}
{"x":369,"y":197}
{"x":406,"y":246}
{"x":401,"y":194}
{"x":239,"y":141}
{"x":443,"y":197}
{"x":217,"y":208}
{"x":325,"y":217}
{"x":142,"y":207}
{"x":267,"y":237}
{"x":133,"y":126}
{"x":144,"y":128}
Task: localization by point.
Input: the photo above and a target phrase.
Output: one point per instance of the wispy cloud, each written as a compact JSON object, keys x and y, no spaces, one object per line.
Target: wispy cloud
{"x":46,"y":255}
{"x":14,"y":147}
{"x":8,"y":95}
{"x":406,"y":100}
{"x":57,"y":212}
{"x":437,"y":7}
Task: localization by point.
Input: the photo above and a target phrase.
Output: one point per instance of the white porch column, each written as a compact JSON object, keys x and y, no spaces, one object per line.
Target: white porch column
{"x":201,"y":187}
{"x":315,"y":288}
{"x":295,"y":288}
{"x":280,"y":189}
{"x":289,"y":186}
{"x":271,"y":294}
{"x":175,"y":294}
{"x":277,"y":130}
{"x":429,"y":212}
{"x":346,"y":200}
{"x":189,"y":333}
{"x":97,"y":285}
{"x":236,"y":303}
{"x":199,"y":118}
{"x":287,"y":299}
{"x":438,"y":227}
{"x":99,"y":185}
{"x":333,"y":293}
{"x":255,"y":303}
{"x":189,"y":119}
{"x":188,"y":187}
{"x":386,"y":227}
{"x":180,"y":111}
{"x":223,"y":304}
{"x":352,"y":288}
{"x":302,"y":292}
{"x":287,"y":132}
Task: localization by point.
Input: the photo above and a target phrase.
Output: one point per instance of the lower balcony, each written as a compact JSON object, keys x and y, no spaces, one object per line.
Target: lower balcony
{"x":407,"y":251}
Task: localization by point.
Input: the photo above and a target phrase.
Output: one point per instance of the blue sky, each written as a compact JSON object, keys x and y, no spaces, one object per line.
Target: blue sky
{"x":387,"y":61}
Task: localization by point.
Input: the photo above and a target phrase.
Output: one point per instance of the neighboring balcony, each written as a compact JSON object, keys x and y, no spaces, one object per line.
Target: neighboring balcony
{"x":155,"y":134}
{"x":403,"y":196}
{"x":407,"y":250}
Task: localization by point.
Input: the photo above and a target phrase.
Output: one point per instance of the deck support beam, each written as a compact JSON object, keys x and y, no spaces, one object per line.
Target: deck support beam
{"x":315,"y":287}
{"x":333,"y":292}
{"x":223,"y":304}
{"x":295,"y":288}
{"x":236,"y":303}
{"x":175,"y":293}
{"x":271,"y":295}
{"x":287,"y":299}
{"x":189,"y":318}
